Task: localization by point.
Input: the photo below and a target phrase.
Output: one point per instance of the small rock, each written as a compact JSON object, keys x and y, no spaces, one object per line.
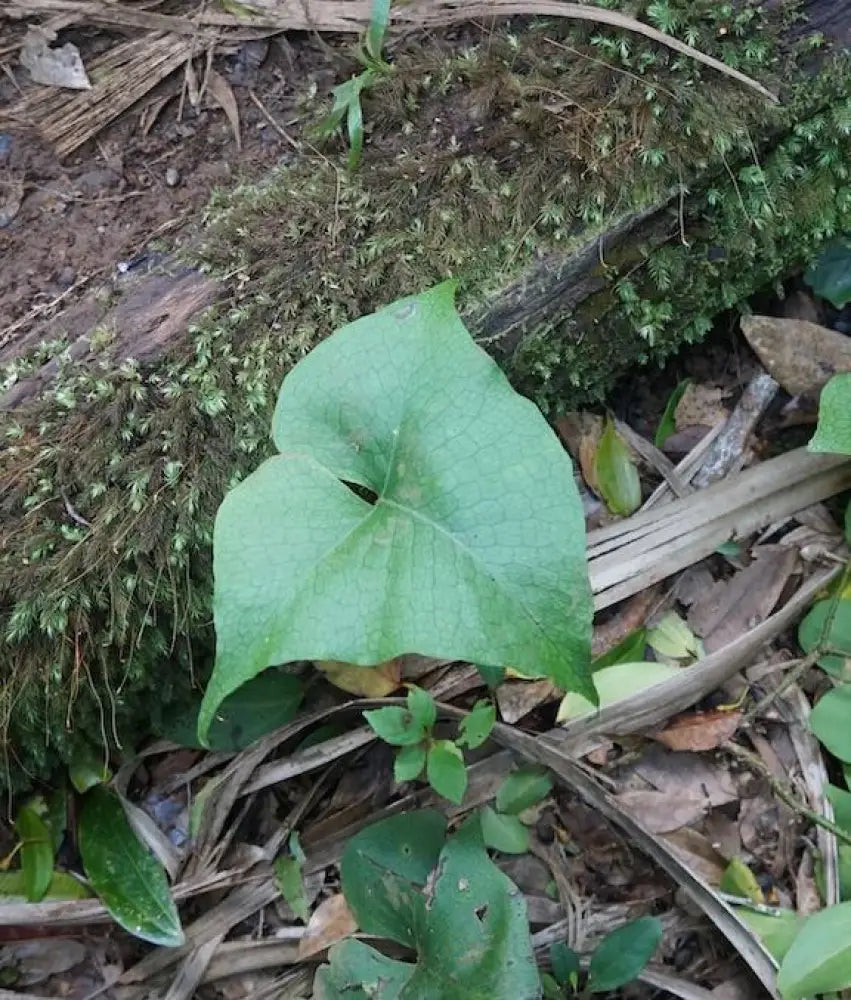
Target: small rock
{"x":172,"y":177}
{"x":93,"y":181}
{"x":801,"y":356}
{"x":66,"y":277}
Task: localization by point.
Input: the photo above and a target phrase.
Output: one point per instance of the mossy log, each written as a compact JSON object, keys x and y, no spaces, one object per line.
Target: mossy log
{"x":597,"y":198}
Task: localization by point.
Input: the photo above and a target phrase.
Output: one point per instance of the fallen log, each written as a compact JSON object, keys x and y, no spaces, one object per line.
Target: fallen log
{"x":599,"y":199}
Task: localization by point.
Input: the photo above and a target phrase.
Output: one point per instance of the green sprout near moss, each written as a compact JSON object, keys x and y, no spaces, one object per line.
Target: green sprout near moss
{"x":347,"y":96}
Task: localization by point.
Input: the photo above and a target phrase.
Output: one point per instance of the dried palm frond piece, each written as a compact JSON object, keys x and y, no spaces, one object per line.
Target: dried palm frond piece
{"x":124,"y":74}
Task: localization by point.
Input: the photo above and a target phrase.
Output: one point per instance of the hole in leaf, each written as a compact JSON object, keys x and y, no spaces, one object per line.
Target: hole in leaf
{"x":364,"y":492}
{"x":481,"y":911}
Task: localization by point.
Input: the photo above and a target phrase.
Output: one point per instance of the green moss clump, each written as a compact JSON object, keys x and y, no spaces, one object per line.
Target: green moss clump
{"x":480,"y":162}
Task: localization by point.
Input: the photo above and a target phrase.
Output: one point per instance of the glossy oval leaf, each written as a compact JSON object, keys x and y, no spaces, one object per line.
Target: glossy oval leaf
{"x":129,"y":880}
{"x":409,"y":763}
{"x":464,"y":540}
{"x":830,"y":720}
{"x":615,"y":473}
{"x":523,"y":788}
{"x":833,"y":432}
{"x":616,"y":682}
{"x":829,"y":276}
{"x":502,"y":832}
{"x":36,"y":853}
{"x":813,"y":631}
{"x":258,"y":707}
{"x":819,"y":960}
{"x":621,"y":955}
{"x":383,"y":871}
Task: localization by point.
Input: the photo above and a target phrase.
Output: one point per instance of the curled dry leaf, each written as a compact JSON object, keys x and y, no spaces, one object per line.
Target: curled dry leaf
{"x":367,"y":682}
{"x":698,"y":731}
{"x":331,"y":921}
{"x":55,"y":67}
{"x":801,"y":356}
{"x":581,"y":433}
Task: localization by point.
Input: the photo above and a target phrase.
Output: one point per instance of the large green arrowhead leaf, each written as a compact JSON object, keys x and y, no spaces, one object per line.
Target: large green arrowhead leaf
{"x":128,"y":878}
{"x":466,"y":539}
{"x":833,"y":432}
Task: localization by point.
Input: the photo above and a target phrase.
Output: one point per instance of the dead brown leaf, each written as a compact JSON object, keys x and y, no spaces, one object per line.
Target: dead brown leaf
{"x":733,"y":607}
{"x":516,"y":699}
{"x":367,"y":682}
{"x":698,"y":853}
{"x":331,"y":921}
{"x":697,"y":731}
{"x":801,"y":356}
{"x":221,"y":90}
{"x":661,"y":812}
{"x":581,"y":433}
{"x":701,"y":405}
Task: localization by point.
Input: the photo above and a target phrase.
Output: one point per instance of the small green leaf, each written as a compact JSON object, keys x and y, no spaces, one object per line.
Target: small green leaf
{"x":844,"y":866}
{"x":833,"y":432}
{"x":379,"y":19}
{"x":422,"y":708}
{"x":36,"y":853}
{"x":395,"y":726}
{"x":492,"y":676}
{"x":565,"y":964}
{"x":739,"y":880}
{"x":62,"y":886}
{"x":56,"y":816}
{"x":358,"y":972}
{"x":290,"y":882}
{"x":629,"y":650}
{"x":621,"y":955}
{"x":615,"y":474}
{"x":503,"y":833}
{"x":776,"y":931}
{"x":812,"y":631}
{"x":262,"y":705}
{"x":819,"y":960}
{"x":830,"y":720}
{"x":672,"y":637}
{"x":523,"y":788}
{"x":409,"y":763}
{"x":841,"y":802}
{"x":667,"y":425}
{"x":384,"y":868}
{"x":830,"y":274}
{"x":476,"y":726}
{"x":87,"y":768}
{"x":552,"y":990}
{"x":130,"y":881}
{"x":446,"y":771}
{"x":614,"y":683}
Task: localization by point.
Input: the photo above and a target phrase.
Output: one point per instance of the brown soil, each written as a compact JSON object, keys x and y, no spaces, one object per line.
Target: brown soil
{"x":71,"y":225}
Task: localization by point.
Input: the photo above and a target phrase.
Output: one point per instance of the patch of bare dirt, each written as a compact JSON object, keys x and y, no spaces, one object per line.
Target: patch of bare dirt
{"x":65,"y":225}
